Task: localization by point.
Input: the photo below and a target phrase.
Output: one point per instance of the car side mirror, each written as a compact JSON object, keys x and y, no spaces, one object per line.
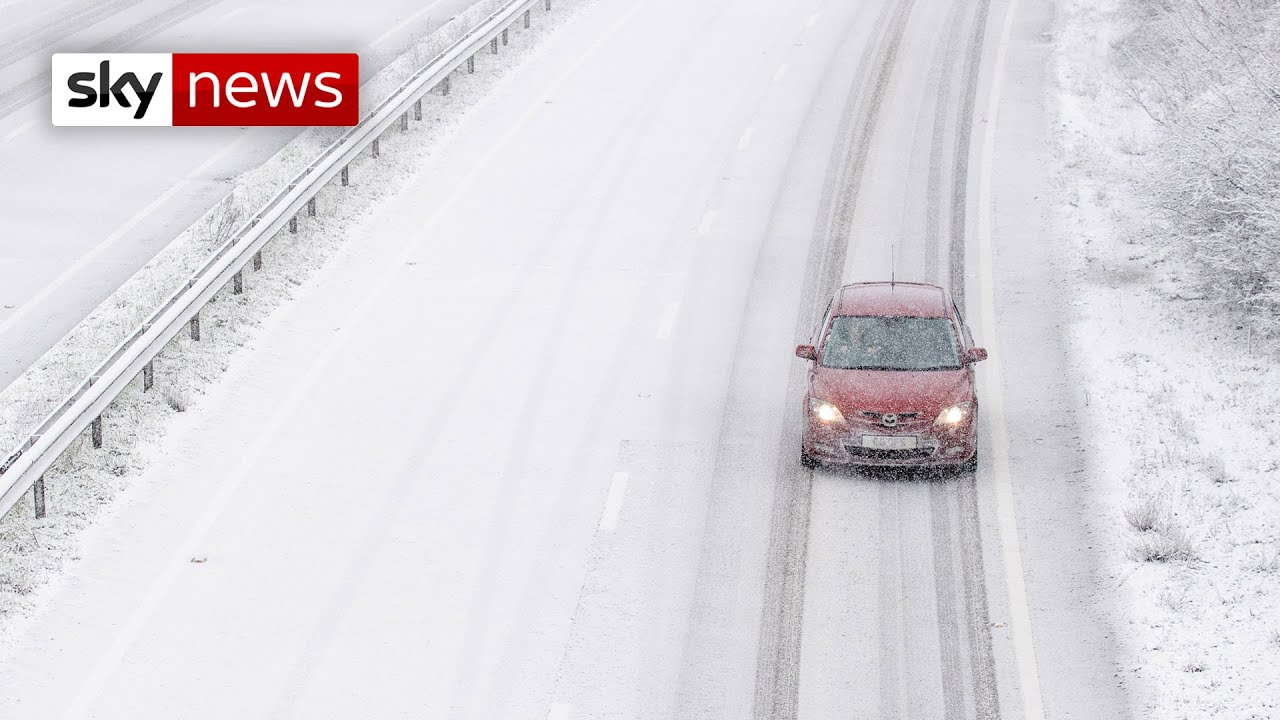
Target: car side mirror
{"x":807,"y":352}
{"x":976,"y":355}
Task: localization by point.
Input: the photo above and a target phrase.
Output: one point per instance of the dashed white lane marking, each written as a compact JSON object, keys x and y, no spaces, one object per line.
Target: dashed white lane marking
{"x":14,"y":133}
{"x":404,"y":23}
{"x":708,"y":222}
{"x":813,"y":20}
{"x":613,"y":505}
{"x":744,"y":142}
{"x":668,"y":322}
{"x":560,"y":711}
{"x":1020,"y":616}
{"x":181,"y":559}
{"x":781,"y":73}
{"x":85,"y":260}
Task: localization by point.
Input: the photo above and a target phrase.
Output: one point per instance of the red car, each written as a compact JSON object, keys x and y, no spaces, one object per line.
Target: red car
{"x":891,"y":380}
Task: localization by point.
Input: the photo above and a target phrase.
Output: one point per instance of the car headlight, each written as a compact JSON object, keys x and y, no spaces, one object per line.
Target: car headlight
{"x":953,"y":414}
{"x":825,"y":411}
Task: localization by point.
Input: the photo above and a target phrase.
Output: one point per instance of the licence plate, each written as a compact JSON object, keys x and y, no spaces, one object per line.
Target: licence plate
{"x":889,"y":442}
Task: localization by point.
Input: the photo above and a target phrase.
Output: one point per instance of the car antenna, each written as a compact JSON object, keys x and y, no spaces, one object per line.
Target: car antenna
{"x":893,"y":263}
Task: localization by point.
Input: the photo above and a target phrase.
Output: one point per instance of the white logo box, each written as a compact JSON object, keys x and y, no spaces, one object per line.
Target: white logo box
{"x":144,"y":67}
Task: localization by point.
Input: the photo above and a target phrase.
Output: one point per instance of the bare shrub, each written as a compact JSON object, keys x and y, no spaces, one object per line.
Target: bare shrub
{"x":1206,"y":71}
{"x":1171,"y":598}
{"x":1264,"y":560}
{"x":221,"y":223}
{"x":1215,"y":468}
{"x":1146,"y":514}
{"x":1170,"y":543}
{"x":177,"y":398}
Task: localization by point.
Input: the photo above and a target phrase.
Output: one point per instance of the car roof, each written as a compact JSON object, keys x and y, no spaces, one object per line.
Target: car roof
{"x":897,"y":299}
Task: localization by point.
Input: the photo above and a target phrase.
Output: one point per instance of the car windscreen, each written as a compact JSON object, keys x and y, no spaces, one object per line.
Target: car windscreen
{"x":890,"y":343}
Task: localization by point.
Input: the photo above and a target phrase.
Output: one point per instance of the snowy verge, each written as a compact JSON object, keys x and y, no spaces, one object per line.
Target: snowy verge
{"x":85,"y":480}
{"x":1181,"y":402}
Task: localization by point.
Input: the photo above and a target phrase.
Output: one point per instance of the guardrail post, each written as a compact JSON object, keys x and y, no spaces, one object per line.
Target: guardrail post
{"x":548,"y":5}
{"x":293,"y":225}
{"x":311,"y":207}
{"x":377,"y":152}
{"x":346,"y":176}
{"x":471,"y":64}
{"x":504,"y":36}
{"x":444,"y":85}
{"x":148,"y":375}
{"x":493,"y":46}
{"x":404,"y":122}
{"x":417,"y":109}
{"x":526,"y":19}
{"x":257,"y":260}
{"x":195,"y":327}
{"x":237,"y":283}
{"x":95,"y":431}
{"x":37,"y":496}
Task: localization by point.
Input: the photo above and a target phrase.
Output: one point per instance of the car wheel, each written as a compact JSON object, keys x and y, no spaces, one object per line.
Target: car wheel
{"x":807,"y":460}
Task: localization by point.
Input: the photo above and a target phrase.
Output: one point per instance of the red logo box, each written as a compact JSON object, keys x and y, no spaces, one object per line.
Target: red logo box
{"x":266,"y":89}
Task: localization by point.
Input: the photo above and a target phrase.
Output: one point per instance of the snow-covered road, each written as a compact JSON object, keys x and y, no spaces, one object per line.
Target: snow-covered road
{"x":81,"y":210}
{"x":527,"y":449}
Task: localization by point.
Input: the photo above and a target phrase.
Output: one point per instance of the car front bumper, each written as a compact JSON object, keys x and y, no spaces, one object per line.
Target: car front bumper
{"x":842,"y":444}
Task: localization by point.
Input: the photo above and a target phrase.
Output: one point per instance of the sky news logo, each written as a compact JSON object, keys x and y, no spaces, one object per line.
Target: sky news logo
{"x":206,"y":89}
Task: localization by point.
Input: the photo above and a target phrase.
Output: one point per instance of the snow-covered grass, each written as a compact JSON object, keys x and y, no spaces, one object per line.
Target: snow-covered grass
{"x":86,"y":479}
{"x":1181,"y":389}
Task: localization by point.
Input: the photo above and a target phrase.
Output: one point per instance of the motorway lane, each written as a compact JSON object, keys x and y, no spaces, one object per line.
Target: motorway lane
{"x":895,"y":611}
{"x":81,"y":210}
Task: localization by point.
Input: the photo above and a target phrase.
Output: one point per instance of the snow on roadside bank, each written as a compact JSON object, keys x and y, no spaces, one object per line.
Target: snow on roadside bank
{"x":86,"y":480}
{"x":1181,"y":402}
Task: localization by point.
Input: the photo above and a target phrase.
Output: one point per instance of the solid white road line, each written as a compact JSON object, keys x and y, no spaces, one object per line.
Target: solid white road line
{"x":181,"y":559}
{"x":1006,"y":516}
{"x":14,"y":133}
{"x":405,"y":23}
{"x":744,"y":142}
{"x":560,"y":711}
{"x":708,"y":222}
{"x":781,"y":73}
{"x":613,"y":502}
{"x":668,"y":322}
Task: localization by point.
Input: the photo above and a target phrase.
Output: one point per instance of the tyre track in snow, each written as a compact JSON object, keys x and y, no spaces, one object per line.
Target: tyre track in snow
{"x":33,"y":40}
{"x":624,"y":148}
{"x":777,"y":692}
{"x":957,"y":549}
{"x":667,"y":622}
{"x":32,"y":88}
{"x":430,"y":432}
{"x":964,"y":643}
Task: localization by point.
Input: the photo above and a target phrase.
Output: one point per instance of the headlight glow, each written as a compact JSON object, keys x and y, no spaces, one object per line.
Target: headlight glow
{"x":825,"y":411}
{"x":953,"y":414}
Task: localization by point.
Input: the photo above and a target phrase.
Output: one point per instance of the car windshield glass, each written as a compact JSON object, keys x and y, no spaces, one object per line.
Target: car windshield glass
{"x":891,"y":343}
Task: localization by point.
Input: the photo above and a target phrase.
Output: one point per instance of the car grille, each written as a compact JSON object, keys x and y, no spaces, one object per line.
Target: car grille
{"x":905,"y":418}
{"x":862,"y":453}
